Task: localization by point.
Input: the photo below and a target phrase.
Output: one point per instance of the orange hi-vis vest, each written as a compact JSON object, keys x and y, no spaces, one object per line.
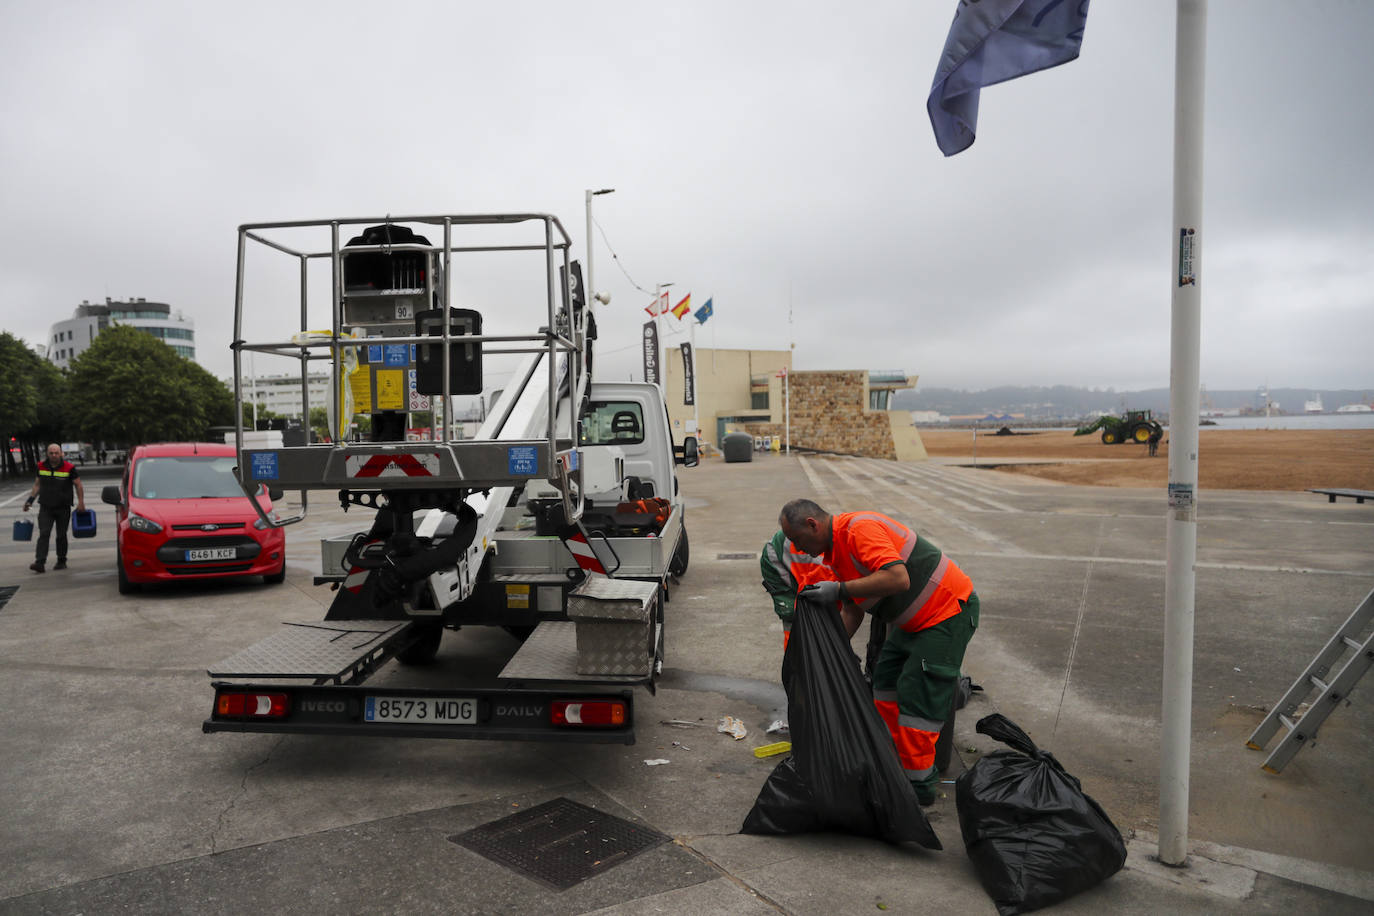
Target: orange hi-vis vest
{"x":865,"y":542}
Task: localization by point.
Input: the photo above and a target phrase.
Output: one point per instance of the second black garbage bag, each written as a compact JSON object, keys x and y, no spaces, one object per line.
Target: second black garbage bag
{"x":843,"y":773}
{"x":1034,"y":836}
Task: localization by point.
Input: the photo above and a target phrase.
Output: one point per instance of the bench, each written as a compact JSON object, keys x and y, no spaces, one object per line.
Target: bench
{"x":1332,"y":492}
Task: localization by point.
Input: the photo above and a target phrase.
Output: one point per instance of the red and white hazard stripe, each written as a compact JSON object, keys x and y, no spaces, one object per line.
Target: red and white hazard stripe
{"x":582,"y":552}
{"x":403,"y":464}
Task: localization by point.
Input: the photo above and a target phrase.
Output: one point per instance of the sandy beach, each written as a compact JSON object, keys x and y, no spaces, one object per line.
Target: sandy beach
{"x":1228,"y":459}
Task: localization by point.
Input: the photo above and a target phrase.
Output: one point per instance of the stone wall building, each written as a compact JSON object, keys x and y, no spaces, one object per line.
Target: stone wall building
{"x":756,"y":391}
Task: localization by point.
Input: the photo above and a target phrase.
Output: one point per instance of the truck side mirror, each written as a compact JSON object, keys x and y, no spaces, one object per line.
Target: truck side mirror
{"x":110,"y":494}
{"x":688,"y":452}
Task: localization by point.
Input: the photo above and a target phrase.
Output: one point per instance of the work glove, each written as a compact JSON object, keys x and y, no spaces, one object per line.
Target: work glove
{"x":824,"y":592}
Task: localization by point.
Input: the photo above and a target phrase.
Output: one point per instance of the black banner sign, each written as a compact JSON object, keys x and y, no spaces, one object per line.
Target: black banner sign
{"x":651,"y":353}
{"x":689,"y":385}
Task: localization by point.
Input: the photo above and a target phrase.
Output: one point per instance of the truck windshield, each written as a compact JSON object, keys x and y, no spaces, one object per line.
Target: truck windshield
{"x":188,"y":477}
{"x":612,"y":423}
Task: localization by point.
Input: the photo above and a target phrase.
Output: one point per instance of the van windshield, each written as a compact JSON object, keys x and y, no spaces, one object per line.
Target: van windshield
{"x":186,"y":477}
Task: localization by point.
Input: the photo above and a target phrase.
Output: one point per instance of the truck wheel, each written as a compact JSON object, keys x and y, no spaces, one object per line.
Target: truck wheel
{"x":1109,"y":437}
{"x":425,"y":646}
{"x":678,"y":565}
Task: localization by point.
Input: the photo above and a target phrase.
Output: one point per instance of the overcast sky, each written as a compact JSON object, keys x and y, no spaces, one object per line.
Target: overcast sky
{"x":776,"y":157}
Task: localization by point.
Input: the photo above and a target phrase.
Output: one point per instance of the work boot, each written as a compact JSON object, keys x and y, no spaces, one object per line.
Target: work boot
{"x":61,"y":563}
{"x":36,"y":566}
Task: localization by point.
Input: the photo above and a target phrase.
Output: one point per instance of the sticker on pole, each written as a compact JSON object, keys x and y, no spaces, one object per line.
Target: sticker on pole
{"x":1180,"y":496}
{"x":404,"y":464}
{"x":1187,"y":251}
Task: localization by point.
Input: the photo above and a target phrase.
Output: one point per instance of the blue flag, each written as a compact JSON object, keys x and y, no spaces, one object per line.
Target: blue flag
{"x":991,"y":42}
{"x":704,"y":312}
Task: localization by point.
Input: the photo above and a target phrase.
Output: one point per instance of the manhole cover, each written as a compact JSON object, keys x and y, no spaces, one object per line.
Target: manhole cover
{"x":6,"y":593}
{"x":559,"y":843}
{"x":736,"y":556}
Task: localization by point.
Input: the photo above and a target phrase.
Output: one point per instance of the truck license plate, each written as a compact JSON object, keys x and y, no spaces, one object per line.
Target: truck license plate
{"x":438,"y":710}
{"x":211,"y":553}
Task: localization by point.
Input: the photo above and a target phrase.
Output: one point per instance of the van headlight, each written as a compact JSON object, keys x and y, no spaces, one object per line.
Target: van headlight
{"x":147,"y":526}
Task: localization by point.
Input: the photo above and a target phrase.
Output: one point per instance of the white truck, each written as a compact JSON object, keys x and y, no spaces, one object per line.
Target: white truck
{"x":560,"y":520}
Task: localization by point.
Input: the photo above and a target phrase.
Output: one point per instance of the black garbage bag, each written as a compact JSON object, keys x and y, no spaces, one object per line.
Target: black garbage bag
{"x":1032,"y":834}
{"x":843,"y":772}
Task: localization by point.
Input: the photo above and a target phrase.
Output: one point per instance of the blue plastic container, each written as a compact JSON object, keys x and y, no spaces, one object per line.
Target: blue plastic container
{"x":23,"y":529}
{"x":83,"y":523}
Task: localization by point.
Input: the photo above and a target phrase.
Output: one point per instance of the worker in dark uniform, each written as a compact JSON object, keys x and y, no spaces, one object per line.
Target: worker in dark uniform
{"x":57,"y":479}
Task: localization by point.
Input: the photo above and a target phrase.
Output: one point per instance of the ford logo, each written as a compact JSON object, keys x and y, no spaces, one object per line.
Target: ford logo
{"x":209,"y":527}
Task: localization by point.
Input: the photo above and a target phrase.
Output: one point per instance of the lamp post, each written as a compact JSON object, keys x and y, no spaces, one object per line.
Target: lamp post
{"x":590,"y":293}
{"x":658,"y":332}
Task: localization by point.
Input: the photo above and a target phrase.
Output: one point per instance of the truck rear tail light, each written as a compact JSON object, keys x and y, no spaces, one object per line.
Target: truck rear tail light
{"x":251,"y":705}
{"x":587,"y":712}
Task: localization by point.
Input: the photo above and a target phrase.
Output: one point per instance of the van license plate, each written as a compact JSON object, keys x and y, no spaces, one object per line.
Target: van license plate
{"x":437,"y":710}
{"x":211,"y":553}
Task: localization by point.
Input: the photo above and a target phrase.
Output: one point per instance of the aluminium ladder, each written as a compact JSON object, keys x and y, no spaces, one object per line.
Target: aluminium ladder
{"x":1331,"y":692}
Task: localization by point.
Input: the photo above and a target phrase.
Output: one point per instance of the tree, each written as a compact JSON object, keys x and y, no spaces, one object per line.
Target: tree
{"x":131,"y":388}
{"x":319,"y":423}
{"x":33,"y":399}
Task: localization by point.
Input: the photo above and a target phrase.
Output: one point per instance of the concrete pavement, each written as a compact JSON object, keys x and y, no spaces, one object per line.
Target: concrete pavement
{"x":114,"y":801}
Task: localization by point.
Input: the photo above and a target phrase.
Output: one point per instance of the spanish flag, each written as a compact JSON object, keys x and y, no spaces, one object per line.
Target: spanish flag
{"x":683,"y":307}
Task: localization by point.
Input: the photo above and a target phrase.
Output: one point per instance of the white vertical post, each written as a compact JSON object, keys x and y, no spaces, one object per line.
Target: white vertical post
{"x":787,"y":406}
{"x":1181,"y":533}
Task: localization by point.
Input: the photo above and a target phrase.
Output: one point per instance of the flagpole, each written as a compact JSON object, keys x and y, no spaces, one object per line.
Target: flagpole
{"x":1181,"y":532}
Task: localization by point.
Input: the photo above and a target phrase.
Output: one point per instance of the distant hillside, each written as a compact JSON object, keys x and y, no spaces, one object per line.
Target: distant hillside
{"x":1067,"y":401}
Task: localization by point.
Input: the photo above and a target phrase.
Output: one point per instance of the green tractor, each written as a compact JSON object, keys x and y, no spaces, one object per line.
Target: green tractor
{"x":1132,"y":426}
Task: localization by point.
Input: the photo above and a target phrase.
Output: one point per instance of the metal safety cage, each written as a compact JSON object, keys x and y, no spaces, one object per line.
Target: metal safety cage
{"x":443,"y":463}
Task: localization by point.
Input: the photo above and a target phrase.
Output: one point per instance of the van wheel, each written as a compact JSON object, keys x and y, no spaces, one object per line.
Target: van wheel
{"x":125,"y":586}
{"x":678,"y":565}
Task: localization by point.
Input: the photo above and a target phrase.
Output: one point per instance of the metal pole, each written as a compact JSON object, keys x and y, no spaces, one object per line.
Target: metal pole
{"x":589,"y":294}
{"x":1181,"y":533}
{"x":787,"y":407}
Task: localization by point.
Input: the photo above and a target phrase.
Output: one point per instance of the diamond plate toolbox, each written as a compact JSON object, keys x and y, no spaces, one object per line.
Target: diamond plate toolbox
{"x":614,"y":619}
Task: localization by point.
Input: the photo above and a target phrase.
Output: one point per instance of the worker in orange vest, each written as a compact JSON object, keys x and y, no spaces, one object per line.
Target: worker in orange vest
{"x":928,"y":603}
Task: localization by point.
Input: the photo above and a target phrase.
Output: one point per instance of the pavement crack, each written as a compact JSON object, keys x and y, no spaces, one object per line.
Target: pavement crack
{"x":685,"y":843}
{"x":228,"y":809}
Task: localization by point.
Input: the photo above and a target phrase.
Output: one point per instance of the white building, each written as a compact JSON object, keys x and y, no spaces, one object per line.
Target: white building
{"x":281,"y":394}
{"x":69,"y":339}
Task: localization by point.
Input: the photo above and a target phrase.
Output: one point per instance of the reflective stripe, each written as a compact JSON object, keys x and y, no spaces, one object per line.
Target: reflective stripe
{"x":926,"y":594}
{"x":773,"y":560}
{"x":915,"y":745}
{"x":920,"y":775}
{"x":925,"y":725}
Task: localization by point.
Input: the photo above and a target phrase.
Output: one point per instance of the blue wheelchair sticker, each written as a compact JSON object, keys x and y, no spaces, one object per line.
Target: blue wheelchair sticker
{"x":264,"y":465}
{"x":396,"y":355}
{"x":522,"y":460}
{"x":374,"y":354}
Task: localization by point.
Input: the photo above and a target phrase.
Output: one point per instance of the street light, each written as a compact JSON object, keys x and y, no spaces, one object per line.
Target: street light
{"x":591,"y":290}
{"x":658,"y":331}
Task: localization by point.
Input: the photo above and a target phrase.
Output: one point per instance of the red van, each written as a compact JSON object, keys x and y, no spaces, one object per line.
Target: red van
{"x":182,"y":515}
